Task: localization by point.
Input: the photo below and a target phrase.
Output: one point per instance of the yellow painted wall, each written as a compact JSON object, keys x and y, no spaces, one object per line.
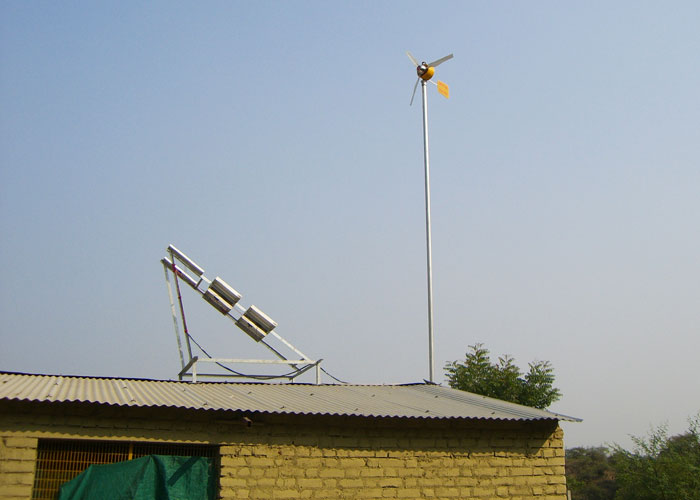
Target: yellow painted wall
{"x":312,"y":457}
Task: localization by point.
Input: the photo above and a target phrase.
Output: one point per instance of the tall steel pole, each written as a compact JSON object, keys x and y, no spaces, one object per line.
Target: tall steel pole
{"x":428,"y":237}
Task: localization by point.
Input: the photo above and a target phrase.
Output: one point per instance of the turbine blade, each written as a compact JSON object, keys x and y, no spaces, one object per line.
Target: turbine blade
{"x":441,"y":60}
{"x":414,"y":91}
{"x":413,"y":59}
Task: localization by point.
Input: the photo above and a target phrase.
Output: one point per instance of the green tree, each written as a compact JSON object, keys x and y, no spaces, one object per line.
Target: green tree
{"x":660,"y":467}
{"x":503,"y":380}
{"x":590,"y":474}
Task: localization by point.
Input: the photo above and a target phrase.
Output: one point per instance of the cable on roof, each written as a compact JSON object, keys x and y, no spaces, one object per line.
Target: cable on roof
{"x":255,"y":377}
{"x":334,"y":378}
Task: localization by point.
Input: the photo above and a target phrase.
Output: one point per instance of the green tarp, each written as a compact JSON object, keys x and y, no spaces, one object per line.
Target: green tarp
{"x":155,"y":477}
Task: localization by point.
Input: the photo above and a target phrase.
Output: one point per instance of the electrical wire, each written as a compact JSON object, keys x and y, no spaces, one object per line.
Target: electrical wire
{"x":334,"y":378}
{"x":255,"y":377}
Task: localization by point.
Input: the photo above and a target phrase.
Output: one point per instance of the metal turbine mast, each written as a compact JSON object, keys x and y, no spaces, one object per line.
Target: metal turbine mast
{"x":425,"y":72}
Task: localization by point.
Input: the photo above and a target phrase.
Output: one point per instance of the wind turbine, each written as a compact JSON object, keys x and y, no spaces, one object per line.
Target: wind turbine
{"x":425,"y":72}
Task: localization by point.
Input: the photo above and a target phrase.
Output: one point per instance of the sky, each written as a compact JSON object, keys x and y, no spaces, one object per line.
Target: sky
{"x":273,"y":143}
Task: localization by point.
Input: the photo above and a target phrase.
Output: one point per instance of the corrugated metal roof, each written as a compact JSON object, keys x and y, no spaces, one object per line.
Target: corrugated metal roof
{"x":419,"y":401}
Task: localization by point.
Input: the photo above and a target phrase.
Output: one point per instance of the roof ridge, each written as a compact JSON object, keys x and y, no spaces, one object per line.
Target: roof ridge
{"x":210,"y":382}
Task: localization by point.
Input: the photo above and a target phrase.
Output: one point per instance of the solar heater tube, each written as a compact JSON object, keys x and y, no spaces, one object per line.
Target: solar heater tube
{"x":261,"y":320}
{"x":180,"y":273}
{"x":225,"y":291}
{"x":251,"y":329}
{"x":215,"y":300}
{"x":186,"y":260}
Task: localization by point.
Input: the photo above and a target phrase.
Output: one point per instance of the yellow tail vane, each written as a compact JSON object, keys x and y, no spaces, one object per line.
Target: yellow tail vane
{"x":443,"y":89}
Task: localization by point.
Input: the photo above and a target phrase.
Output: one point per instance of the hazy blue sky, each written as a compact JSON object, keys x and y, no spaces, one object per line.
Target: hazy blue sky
{"x":273,"y":142}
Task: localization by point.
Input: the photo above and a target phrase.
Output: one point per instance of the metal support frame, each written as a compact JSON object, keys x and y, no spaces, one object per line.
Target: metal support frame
{"x":175,"y":323}
{"x":189,"y":368}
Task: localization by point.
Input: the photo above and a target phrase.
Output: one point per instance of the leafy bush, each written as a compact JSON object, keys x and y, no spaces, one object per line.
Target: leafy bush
{"x":660,"y":467}
{"x":503,"y":380}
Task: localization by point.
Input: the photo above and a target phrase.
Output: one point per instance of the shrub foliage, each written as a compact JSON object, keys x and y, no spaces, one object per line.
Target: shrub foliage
{"x":503,"y":380}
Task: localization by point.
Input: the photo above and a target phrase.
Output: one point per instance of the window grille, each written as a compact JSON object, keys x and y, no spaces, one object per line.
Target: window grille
{"x":60,"y":460}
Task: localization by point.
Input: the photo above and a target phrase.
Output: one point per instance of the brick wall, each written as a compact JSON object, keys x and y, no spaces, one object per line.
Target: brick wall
{"x":17,"y":457}
{"x":398,"y":460}
{"x":312,"y":457}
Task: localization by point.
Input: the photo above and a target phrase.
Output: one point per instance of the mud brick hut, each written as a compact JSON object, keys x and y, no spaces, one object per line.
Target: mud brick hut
{"x":281,"y":440}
